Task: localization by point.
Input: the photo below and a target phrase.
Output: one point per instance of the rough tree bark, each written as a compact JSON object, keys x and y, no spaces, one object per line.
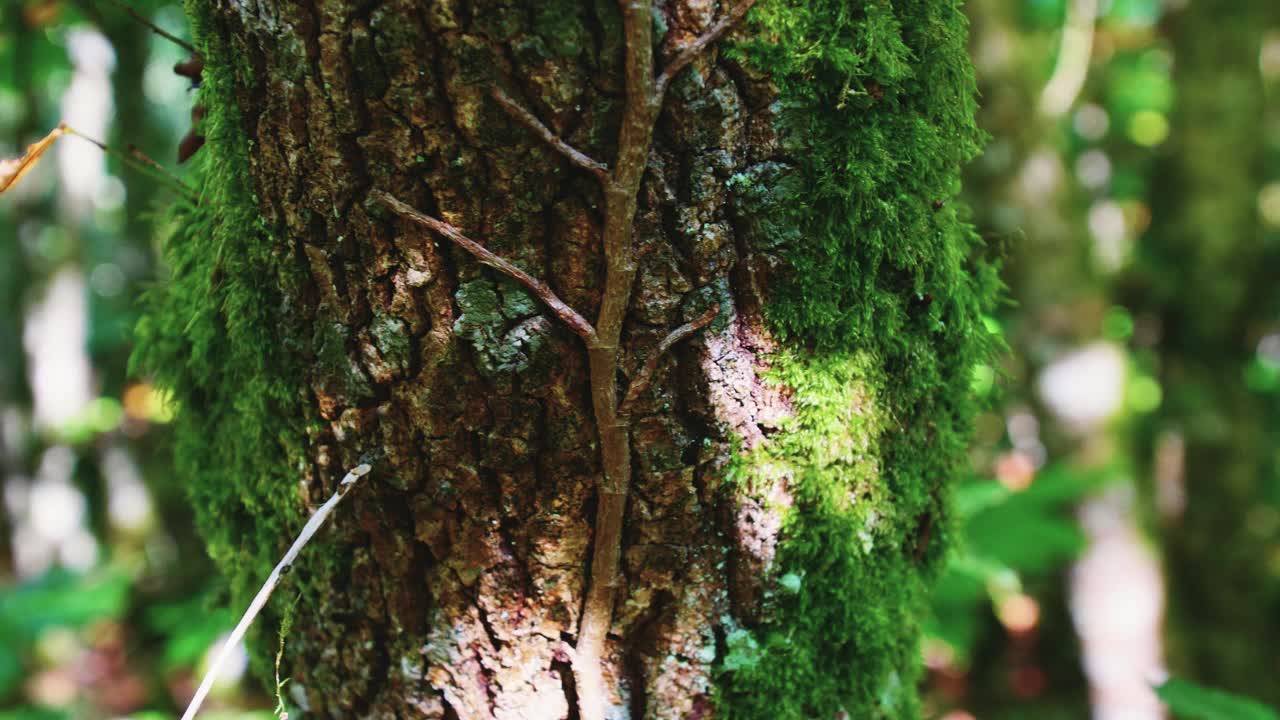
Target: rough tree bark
{"x":724,"y":543}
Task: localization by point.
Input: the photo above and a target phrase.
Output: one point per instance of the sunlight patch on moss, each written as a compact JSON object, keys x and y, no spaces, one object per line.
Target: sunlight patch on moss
{"x":884,"y":286}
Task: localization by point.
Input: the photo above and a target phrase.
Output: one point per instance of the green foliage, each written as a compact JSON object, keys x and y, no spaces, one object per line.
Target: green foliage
{"x":56,"y":599}
{"x":1005,"y":537}
{"x":189,"y":627}
{"x":1031,"y":530}
{"x":218,"y":337}
{"x":60,"y":598}
{"x":1189,"y":701}
{"x":885,"y":287}
{"x":30,"y":713}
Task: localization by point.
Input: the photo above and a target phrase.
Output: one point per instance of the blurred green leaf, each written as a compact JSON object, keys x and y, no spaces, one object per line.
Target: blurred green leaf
{"x":61,"y":598}
{"x":1005,"y":533}
{"x":1026,"y":542}
{"x":10,"y":664}
{"x":1044,"y":13}
{"x":31,"y":713}
{"x":1031,"y":530}
{"x":1134,"y":12}
{"x":1190,"y":701}
{"x":958,"y":600}
{"x":974,"y":497}
{"x":1139,"y":81}
{"x":189,"y":627}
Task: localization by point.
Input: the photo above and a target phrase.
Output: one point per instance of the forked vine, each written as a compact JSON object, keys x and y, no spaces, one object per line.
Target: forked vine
{"x":620,"y":183}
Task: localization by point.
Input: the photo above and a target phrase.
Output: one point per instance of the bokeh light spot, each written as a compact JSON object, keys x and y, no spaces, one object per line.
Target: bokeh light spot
{"x":1269,"y":204}
{"x":1144,"y":394}
{"x":1091,"y":122}
{"x":1148,"y":128}
{"x":1117,"y":324}
{"x":1019,"y":613}
{"x":984,"y":378}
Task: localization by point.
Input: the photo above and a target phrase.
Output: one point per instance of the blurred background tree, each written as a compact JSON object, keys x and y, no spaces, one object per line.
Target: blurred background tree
{"x":1122,"y":516}
{"x":109,"y":603}
{"x":1131,"y":177}
{"x":1207,"y":277}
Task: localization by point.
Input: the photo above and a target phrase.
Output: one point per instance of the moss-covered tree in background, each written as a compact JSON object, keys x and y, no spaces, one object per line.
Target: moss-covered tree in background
{"x":1206,"y":275}
{"x":789,"y":461}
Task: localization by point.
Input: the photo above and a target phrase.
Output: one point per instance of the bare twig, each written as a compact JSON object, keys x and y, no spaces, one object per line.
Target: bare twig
{"x":687,"y":55}
{"x":575,"y":156}
{"x":621,"y":199}
{"x":260,"y":600}
{"x":153,"y":27}
{"x":136,"y":153}
{"x":145,"y":159}
{"x":140,"y":162}
{"x":645,"y":376}
{"x":576,"y":322}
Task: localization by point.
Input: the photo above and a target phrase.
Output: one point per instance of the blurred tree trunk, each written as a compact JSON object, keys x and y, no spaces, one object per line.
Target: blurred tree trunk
{"x":16,"y":454}
{"x":1208,"y":280}
{"x":456,"y":588}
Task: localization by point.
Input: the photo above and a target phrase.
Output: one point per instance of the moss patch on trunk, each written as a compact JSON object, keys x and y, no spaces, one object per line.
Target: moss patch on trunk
{"x":885,"y":289}
{"x":217,"y":335}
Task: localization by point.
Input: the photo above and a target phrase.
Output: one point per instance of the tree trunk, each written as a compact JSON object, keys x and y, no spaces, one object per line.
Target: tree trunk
{"x":1208,"y":283}
{"x":784,"y":505}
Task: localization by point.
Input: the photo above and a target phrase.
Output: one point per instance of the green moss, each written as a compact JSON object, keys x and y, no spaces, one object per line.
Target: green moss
{"x":212,"y":336}
{"x":560,"y":25}
{"x":884,"y":288}
{"x":347,"y":379}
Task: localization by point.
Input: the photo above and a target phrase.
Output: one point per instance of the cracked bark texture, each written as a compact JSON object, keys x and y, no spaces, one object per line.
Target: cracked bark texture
{"x":463,"y":558}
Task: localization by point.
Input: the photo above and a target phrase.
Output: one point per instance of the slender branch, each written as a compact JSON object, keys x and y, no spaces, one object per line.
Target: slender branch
{"x":576,"y":322}
{"x":137,"y":160}
{"x":154,"y":28}
{"x":260,"y":600}
{"x":621,"y":199}
{"x":643,"y":378}
{"x":698,"y":46}
{"x":575,"y":156}
{"x":136,"y":153}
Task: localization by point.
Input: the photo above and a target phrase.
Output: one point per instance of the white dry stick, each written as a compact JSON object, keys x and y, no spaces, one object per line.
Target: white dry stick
{"x":308,"y":531}
{"x":1072,"y":68}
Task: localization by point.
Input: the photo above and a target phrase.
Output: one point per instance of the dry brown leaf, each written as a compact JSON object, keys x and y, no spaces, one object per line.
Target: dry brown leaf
{"x":11,"y":171}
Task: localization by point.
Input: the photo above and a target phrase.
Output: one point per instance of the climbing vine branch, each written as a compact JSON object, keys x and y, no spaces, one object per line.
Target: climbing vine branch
{"x":575,"y":156}
{"x":644,"y":377}
{"x":621,"y":189}
{"x":541,"y":290}
{"x":137,"y":17}
{"x":698,"y":46}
